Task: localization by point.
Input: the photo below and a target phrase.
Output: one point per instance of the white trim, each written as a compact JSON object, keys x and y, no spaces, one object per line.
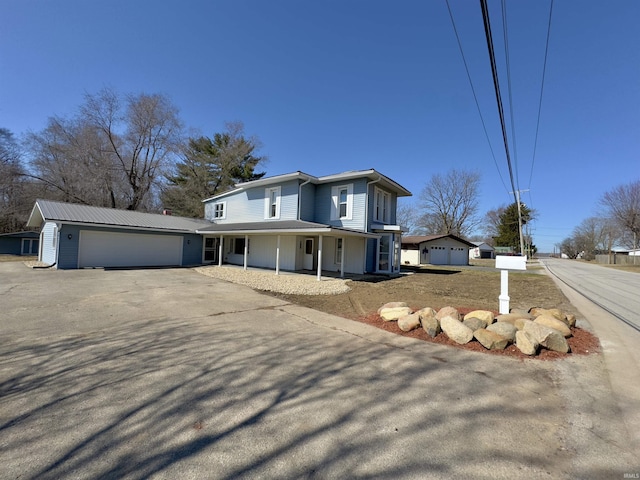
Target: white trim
{"x":224,"y":211}
{"x":268,"y":203}
{"x":335,"y":202}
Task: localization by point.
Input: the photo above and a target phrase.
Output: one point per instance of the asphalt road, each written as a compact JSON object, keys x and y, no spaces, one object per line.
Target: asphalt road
{"x":616,"y":291}
{"x":170,"y":374}
{"x":610,"y":300}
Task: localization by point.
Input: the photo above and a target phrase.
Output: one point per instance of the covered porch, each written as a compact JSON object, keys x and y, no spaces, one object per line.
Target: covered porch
{"x":294,"y":246}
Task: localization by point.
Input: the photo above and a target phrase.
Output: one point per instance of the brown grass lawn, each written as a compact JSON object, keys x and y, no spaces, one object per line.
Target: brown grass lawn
{"x":17,"y":258}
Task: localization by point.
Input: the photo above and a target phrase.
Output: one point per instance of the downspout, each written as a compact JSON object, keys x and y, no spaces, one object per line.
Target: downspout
{"x":300,"y":195}
{"x":366,"y":221}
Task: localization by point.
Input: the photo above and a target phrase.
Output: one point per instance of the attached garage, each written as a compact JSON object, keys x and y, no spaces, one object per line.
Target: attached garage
{"x":112,"y":249}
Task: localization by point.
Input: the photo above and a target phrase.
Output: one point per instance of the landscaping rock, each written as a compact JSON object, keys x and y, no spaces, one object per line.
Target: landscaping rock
{"x":504,"y":329}
{"x":519,"y":311}
{"x":392,"y":305}
{"x":547,"y":337}
{"x":554,"y":312}
{"x":526,"y":343}
{"x":571,"y":319}
{"x":455,"y":330}
{"x":429,"y":321}
{"x":409,"y":322}
{"x":485,"y":315}
{"x":393,"y":311}
{"x":474,"y":323}
{"x":426,"y":312}
{"x":512,"y":317}
{"x":490,"y":340}
{"x":519,"y":323}
{"x":553,"y":322}
{"x":448,"y":312}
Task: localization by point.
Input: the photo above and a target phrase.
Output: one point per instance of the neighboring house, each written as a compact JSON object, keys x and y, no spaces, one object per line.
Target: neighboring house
{"x":339,"y":223}
{"x":19,"y":243}
{"x":481,"y":250}
{"x":435,"y":250}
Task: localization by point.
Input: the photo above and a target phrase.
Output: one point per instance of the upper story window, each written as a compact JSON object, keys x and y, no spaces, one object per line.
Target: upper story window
{"x":272,"y":202}
{"x":342,"y":202}
{"x":382,"y":206}
{"x":219,"y":210}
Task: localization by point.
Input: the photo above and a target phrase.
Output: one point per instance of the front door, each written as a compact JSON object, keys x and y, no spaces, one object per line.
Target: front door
{"x":384,"y":253}
{"x":308,"y":254}
{"x":211,"y":245}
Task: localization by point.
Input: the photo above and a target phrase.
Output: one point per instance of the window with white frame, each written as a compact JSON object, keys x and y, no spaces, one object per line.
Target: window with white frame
{"x":382,"y":206}
{"x":342,"y":202}
{"x":219,"y":210}
{"x":272,"y":202}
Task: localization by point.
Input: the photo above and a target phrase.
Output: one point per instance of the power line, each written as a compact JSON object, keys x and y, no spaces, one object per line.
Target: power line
{"x":496,"y":84}
{"x":544,"y":70}
{"x":475,"y":97}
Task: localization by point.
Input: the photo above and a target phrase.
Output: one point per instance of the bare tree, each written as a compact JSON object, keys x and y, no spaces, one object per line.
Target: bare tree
{"x":407,"y":217}
{"x":450,"y":203}
{"x":623,"y":205}
{"x":111,"y":153}
{"x":11,"y":184}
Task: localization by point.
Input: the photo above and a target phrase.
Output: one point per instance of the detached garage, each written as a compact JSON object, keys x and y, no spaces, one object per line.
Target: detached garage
{"x":435,"y":250}
{"x":80,"y":236}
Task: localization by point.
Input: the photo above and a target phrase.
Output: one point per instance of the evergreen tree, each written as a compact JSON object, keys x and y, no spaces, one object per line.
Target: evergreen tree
{"x":508,"y":230}
{"x":209,"y":167}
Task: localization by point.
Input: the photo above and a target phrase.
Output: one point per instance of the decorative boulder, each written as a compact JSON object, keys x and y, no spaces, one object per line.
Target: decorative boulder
{"x":455,"y":330}
{"x":490,"y":340}
{"x":571,"y":319}
{"x":553,"y":312}
{"x":409,"y":322}
{"x":553,"y":322}
{"x":504,"y":329}
{"x":429,"y":321}
{"x":484,"y":315}
{"x":526,"y":343}
{"x":474,"y":323}
{"x":547,"y":337}
{"x":519,"y":323}
{"x":392,"y":305}
{"x":447,"y":312}
{"x":512,"y":317}
{"x":390,"y":313}
{"x":519,"y":311}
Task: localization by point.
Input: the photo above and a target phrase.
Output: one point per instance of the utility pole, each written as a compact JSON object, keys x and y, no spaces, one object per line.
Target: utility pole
{"x":517,"y":192}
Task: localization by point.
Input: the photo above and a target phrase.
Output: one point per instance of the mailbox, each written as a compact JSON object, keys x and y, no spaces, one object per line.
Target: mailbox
{"x":505,"y":262}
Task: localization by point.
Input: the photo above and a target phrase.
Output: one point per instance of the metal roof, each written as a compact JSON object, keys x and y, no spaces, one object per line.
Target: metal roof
{"x":417,"y":239}
{"x":371,"y":174}
{"x":47,"y":210}
{"x":280,"y":226}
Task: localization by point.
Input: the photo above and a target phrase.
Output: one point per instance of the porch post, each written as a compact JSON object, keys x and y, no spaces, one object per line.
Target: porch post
{"x":220,"y":251}
{"x":278,"y":256}
{"x":246,"y":250}
{"x":344,"y":246}
{"x":319,"y":257}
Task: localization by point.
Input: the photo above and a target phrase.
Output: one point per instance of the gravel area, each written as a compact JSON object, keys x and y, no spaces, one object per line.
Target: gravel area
{"x":288,"y":283}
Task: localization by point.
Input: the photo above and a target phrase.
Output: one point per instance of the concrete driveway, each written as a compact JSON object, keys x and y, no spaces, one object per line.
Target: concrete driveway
{"x":170,"y":374}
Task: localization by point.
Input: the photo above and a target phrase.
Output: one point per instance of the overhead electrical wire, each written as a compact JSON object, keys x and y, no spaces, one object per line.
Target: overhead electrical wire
{"x":505,"y":36}
{"x":544,"y":70}
{"x":496,"y":84}
{"x":475,"y":97}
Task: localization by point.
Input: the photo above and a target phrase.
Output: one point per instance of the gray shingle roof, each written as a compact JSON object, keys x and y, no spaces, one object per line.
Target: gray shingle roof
{"x":278,"y":226}
{"x":47,"y":210}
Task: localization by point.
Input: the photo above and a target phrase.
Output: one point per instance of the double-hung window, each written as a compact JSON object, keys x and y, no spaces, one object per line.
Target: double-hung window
{"x":382,"y":206}
{"x":272,"y":202}
{"x":342,"y":202}
{"x":219,"y":210}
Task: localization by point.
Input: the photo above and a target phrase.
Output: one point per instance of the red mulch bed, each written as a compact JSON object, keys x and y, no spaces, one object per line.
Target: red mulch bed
{"x":581,"y":342}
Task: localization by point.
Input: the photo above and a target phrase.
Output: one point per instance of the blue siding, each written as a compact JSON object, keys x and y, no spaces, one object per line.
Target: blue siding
{"x":323,"y":204}
{"x":307,"y":203}
{"x":249,"y":205}
{"x":11,"y":245}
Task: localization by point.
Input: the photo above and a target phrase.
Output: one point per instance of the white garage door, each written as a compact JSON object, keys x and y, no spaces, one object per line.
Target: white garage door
{"x":110,"y":249}
{"x":438,"y":255}
{"x":459,"y":255}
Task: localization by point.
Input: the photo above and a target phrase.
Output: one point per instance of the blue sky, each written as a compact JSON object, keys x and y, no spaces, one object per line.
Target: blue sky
{"x":339,"y":85}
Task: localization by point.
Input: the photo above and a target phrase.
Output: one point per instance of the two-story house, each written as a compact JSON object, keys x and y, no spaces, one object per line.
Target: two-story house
{"x":341,"y":223}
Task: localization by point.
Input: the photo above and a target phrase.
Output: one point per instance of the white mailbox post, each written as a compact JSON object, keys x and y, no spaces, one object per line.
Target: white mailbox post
{"x":506,"y":263}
